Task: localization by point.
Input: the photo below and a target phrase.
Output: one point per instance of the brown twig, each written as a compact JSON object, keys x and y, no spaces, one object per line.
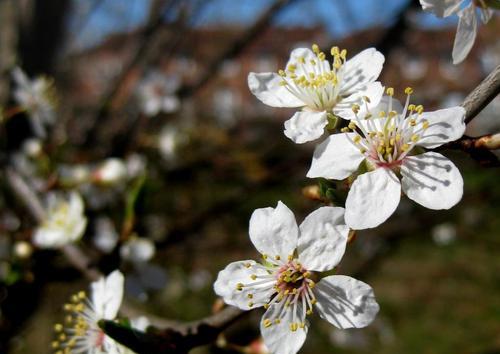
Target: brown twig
{"x":483,"y":94}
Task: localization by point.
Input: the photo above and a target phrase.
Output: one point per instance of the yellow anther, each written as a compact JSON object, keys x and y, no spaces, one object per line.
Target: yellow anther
{"x":362,"y":150}
{"x":312,"y":75}
{"x":250,"y":304}
{"x":408,"y":91}
{"x":250,"y":296}
{"x":301,"y":60}
{"x":344,"y":130}
{"x":334,"y":51}
{"x":405,"y":147}
{"x":352,"y":125}
{"x":248,"y":265}
{"x":415,"y":138}
{"x":411,"y":107}
{"x":74,"y":298}
{"x":283,"y":83}
{"x":267,"y":323}
{"x":398,"y":137}
{"x":290,"y":257}
{"x":266,"y":306}
{"x":294,"y":291}
{"x":392,"y":114}
{"x":82,"y":295}
{"x":381,"y":114}
{"x":239,"y":286}
{"x":277,"y":321}
{"x":253,"y":276}
{"x":356,"y":139}
{"x":355,"y":108}
{"x":425,"y":124}
{"x":281,"y":73}
{"x":366,"y":99}
{"x":293,"y":76}
{"x":294,"y":326}
{"x":54,"y":344}
{"x":277,"y":257}
{"x":315,"y":48}
{"x":419,"y":109}
{"x":392,"y":141}
{"x":413,"y":122}
{"x":309,"y":312}
{"x":291,"y":67}
{"x":58,"y":327}
{"x":321,"y":56}
{"x":264,"y":256}
{"x":62,"y":337}
{"x":380,"y":149}
{"x":390,"y":91}
{"x":311,"y":284}
{"x":313,"y":301}
{"x":302,"y":325}
{"x":343,"y":54}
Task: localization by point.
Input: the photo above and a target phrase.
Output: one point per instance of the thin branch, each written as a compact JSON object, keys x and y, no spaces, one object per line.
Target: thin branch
{"x":26,"y":194}
{"x":483,"y":94}
{"x":478,"y":148}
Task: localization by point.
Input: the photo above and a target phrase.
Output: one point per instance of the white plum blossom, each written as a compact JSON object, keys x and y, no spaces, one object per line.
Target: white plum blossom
{"x":288,"y":282}
{"x":37,"y":97}
{"x":64,"y":221}
{"x":467,"y":23}
{"x":156,"y":94}
{"x":389,"y":139}
{"x":137,"y":249}
{"x":111,"y":171}
{"x":83,"y":334}
{"x":320,"y":90}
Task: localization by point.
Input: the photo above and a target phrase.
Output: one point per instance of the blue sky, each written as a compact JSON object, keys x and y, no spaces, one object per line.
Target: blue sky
{"x":339,"y":17}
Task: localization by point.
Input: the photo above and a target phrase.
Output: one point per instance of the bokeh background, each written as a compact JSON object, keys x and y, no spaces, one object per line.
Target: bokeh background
{"x":222,"y":154}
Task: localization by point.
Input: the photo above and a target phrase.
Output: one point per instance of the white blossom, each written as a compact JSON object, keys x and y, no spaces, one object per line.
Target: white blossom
{"x":64,"y":222}
{"x":157,"y":94}
{"x":320,"y":90}
{"x":37,"y":97}
{"x":137,"y":249}
{"x":111,"y":171}
{"x":389,"y":140}
{"x":83,"y":334}
{"x":286,"y":282}
{"x":467,"y":23}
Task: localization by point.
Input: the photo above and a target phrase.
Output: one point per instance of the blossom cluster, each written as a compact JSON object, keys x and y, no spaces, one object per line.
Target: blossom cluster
{"x":375,"y":145}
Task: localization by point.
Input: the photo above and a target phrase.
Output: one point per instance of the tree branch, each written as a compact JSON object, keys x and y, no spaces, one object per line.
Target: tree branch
{"x":483,"y":94}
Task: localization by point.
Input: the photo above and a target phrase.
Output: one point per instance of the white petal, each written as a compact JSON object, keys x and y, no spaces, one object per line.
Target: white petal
{"x":20,"y":78}
{"x":466,"y":33}
{"x":151,"y":106}
{"x":107,"y":295}
{"x":345,"y":302}
{"x":373,"y":197}
{"x":278,"y":337}
{"x":335,"y":158}
{"x":274,"y":231}
{"x":385,"y":104}
{"x":444,"y":125}
{"x":308,"y":55}
{"x":441,"y":8}
{"x":486,"y":14}
{"x":323,"y":238}
{"x":170,"y":104}
{"x":266,"y":87}
{"x":305,"y":126}
{"x":238,"y":272}
{"x":49,"y":238}
{"x":432,"y":180}
{"x":373,"y":90}
{"x":363,"y":68}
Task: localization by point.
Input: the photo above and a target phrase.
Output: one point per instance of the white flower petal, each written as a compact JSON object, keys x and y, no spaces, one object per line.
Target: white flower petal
{"x":345,"y":302}
{"x":445,"y":125}
{"x":323,"y":238}
{"x":373,"y":197}
{"x":441,"y":8}
{"x":107,"y":295}
{"x":266,"y":87}
{"x":274,"y":231}
{"x":305,"y":126}
{"x":278,"y":337}
{"x":308,"y":55}
{"x":239,"y":272}
{"x":335,"y":158}
{"x":466,"y":33}
{"x":360,"y":70}
{"x":49,"y":238}
{"x":373,"y":90}
{"x":486,"y":14}
{"x":432,"y":180}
